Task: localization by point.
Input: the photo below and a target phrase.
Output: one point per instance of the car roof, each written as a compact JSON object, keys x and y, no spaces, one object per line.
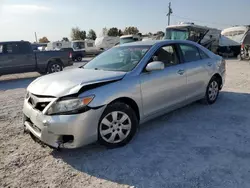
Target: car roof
{"x":166,"y":42}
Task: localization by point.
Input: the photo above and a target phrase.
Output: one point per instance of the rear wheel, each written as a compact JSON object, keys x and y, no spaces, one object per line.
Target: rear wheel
{"x":239,"y":57}
{"x":212,"y":91}
{"x":117,"y":126}
{"x":55,"y":67}
{"x":79,"y":58}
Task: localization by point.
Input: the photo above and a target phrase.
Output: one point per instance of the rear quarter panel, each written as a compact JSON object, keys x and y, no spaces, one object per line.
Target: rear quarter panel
{"x":44,"y":57}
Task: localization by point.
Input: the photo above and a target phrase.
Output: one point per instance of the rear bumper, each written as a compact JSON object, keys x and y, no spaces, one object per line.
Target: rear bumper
{"x":51,"y":130}
{"x":68,"y":63}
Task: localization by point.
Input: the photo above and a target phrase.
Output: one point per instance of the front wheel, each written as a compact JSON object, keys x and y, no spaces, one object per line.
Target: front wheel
{"x":117,"y":126}
{"x":212,"y":91}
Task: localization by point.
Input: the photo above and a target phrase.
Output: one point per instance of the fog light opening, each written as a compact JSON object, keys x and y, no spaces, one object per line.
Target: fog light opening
{"x":67,"y":139}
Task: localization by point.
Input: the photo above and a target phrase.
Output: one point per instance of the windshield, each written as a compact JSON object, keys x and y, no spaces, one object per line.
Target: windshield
{"x":123,"y":58}
{"x":176,"y":34}
{"x":78,"y":45}
{"x":127,"y":40}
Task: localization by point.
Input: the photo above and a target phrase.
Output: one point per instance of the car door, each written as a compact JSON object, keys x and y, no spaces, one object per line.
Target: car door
{"x":9,"y":60}
{"x":165,"y":88}
{"x":26,"y":57}
{"x":16,"y":58}
{"x":197,"y":70}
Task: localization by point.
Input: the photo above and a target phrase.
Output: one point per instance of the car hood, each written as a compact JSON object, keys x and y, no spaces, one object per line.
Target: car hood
{"x":70,"y":81}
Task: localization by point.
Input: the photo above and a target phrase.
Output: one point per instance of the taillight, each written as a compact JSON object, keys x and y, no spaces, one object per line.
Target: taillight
{"x":70,"y":55}
{"x":242,"y":46}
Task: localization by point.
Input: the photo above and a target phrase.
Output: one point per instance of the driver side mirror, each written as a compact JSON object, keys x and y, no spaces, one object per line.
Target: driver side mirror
{"x":155,"y":65}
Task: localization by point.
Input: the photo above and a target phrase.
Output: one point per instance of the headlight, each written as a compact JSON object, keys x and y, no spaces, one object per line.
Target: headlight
{"x":70,"y":106}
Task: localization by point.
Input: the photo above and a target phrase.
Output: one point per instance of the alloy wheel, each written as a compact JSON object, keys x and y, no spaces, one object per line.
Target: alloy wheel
{"x":213,"y":90}
{"x":55,"y":68}
{"x":115,"y":127}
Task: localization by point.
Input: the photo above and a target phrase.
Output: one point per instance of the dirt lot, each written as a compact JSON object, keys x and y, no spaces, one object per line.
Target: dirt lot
{"x":196,"y":146}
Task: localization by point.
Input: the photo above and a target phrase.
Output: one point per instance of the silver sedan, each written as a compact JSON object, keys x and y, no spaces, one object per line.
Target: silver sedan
{"x":123,"y":87}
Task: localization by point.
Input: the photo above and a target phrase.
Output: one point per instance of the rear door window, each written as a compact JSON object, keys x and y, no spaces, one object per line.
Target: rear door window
{"x":24,"y":48}
{"x":12,"y":48}
{"x":190,"y":53}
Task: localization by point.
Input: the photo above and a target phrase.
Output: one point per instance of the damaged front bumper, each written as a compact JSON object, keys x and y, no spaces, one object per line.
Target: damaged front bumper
{"x":62,"y":131}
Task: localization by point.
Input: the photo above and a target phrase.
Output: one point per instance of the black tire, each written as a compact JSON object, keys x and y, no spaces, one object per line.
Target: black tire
{"x":124,"y":108}
{"x":53,"y":65}
{"x":79,"y":58}
{"x":208,"y":99}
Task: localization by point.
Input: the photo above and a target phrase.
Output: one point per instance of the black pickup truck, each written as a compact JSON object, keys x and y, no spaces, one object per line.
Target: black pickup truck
{"x":19,"y":57}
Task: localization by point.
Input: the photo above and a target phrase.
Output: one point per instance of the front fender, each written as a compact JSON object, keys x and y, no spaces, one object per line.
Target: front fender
{"x":104,"y":95}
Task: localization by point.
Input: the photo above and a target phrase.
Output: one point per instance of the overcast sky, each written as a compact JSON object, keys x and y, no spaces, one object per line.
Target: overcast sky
{"x":19,"y":19}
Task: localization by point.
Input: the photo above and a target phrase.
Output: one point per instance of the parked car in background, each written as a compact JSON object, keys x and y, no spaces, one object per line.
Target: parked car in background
{"x":106,"y":99}
{"x":19,"y":57}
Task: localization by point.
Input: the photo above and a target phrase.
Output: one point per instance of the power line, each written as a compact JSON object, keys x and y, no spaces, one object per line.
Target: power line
{"x":215,"y":23}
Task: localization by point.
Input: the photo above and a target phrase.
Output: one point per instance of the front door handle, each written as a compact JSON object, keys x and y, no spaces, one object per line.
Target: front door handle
{"x":181,"y":72}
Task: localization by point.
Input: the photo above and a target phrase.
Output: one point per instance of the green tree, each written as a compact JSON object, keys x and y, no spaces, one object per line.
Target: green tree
{"x":65,"y":39}
{"x":113,"y":32}
{"x":130,"y":30}
{"x":43,"y":40}
{"x":83,"y":35}
{"x":77,"y":34}
{"x":92,"y":34}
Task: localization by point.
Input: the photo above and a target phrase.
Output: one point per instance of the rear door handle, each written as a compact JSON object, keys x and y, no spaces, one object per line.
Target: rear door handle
{"x":181,"y":72}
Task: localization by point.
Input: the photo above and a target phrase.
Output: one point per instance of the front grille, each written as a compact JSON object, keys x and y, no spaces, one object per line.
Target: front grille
{"x":39,"y":102}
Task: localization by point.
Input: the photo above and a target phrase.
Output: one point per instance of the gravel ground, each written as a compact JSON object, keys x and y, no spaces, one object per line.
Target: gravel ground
{"x":196,"y":146}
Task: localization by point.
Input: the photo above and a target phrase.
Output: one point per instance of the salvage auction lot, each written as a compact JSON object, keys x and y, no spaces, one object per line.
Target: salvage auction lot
{"x":196,"y":146}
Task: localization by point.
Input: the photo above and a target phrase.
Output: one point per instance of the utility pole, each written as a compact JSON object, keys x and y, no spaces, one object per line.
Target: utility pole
{"x":170,"y":11}
{"x":36,"y":37}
